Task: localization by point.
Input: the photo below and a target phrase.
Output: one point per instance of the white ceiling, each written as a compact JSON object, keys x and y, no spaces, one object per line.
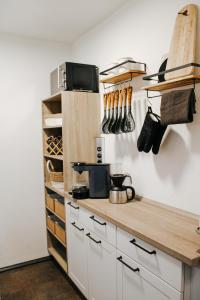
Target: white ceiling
{"x":56,"y":20}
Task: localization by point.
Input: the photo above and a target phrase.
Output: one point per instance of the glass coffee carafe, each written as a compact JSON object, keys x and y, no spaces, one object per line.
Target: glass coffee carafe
{"x":79,"y":184}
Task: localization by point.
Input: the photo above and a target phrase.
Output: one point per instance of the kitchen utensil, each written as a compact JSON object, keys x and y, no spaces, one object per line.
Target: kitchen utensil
{"x":162,"y":68}
{"x":105,"y":112}
{"x":98,"y":178}
{"x":106,"y":124}
{"x":119,"y":193}
{"x":118,"y":179}
{"x":183,"y":42}
{"x":81,"y":192}
{"x":113,"y":125}
{"x":123,"y":123}
{"x":55,"y":176}
{"x":129,"y":123}
{"x":112,"y":112}
{"x":119,"y":119}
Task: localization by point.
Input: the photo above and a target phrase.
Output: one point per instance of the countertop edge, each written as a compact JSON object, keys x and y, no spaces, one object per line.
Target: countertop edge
{"x":192,"y":262}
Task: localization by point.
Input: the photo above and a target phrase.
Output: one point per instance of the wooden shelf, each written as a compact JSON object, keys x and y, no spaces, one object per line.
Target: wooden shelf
{"x":56,"y":237}
{"x":53,"y":212}
{"x":53,"y":98}
{"x":56,"y":190}
{"x":58,"y":258}
{"x":52,"y":127}
{"x":58,"y":157}
{"x":47,"y":116}
{"x":174,"y":83}
{"x":123,"y":76}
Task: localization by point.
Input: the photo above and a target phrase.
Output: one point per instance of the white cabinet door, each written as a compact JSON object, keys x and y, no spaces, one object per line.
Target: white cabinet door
{"x":77,"y":255}
{"x":134,"y":282}
{"x":101,"y":268}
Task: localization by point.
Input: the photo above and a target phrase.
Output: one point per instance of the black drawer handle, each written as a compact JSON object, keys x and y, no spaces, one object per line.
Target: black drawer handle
{"x":93,"y":218}
{"x":75,"y":207}
{"x":97,"y":242}
{"x":133,"y":241}
{"x":121,"y":261}
{"x":74,"y":224}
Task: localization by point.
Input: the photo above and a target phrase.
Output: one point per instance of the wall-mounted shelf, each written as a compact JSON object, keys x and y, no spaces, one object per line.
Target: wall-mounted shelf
{"x":122,"y":77}
{"x":130,"y":69}
{"x":174,"y":83}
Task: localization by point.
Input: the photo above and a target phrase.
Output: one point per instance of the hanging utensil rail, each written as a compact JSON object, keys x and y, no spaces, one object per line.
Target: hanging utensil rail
{"x":175,"y":83}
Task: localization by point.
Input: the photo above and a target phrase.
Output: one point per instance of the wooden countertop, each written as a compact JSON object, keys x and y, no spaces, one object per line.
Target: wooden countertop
{"x":169,"y":229}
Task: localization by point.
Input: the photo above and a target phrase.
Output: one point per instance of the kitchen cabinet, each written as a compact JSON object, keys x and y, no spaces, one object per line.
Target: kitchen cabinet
{"x":101,"y":268}
{"x":157,"y":262}
{"x":91,"y":259}
{"x":134,"y":282}
{"x":67,"y":124}
{"x":77,"y":255}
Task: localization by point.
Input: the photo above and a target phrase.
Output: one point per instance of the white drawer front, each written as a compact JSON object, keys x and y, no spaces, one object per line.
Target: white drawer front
{"x":102,"y":228}
{"x":156,"y":261}
{"x":76,"y":212}
{"x":134,"y":282}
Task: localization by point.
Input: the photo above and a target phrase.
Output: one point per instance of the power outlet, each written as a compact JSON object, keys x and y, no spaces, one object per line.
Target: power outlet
{"x":100,"y":150}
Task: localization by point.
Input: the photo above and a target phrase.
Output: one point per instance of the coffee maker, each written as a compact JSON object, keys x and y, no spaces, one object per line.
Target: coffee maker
{"x":98,"y":179}
{"x":120,"y":193}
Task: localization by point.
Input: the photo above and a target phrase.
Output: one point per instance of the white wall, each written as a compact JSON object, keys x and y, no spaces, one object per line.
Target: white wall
{"x":25,"y":66}
{"x":142,"y":29}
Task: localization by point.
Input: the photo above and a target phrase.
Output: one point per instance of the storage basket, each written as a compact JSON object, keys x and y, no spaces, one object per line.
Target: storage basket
{"x":50,"y":202}
{"x":50,"y":223}
{"x":54,"y":176}
{"x":59,"y":209}
{"x":60,"y":232}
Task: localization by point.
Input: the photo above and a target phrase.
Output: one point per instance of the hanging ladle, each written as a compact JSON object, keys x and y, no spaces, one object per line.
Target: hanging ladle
{"x":129,"y":123}
{"x":119,"y":119}
{"x":116,"y":101}
{"x":123,"y":123}
{"x":106,"y":124}
{"x":105,"y":97}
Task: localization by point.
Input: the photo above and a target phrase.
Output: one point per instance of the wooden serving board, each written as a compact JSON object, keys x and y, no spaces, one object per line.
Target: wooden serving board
{"x":183,"y":42}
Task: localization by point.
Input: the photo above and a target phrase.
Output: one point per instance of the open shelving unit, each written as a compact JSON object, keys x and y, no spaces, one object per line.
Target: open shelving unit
{"x":125,"y":76}
{"x":52,"y":108}
{"x":80,"y":114}
{"x":128,"y":75}
{"x":173,"y":83}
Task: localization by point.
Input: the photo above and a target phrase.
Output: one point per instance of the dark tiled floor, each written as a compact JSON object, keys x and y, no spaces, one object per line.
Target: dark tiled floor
{"x":41,"y":281}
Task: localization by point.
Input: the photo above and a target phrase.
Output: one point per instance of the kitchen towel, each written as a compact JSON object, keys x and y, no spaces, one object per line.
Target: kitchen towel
{"x":178,"y":107}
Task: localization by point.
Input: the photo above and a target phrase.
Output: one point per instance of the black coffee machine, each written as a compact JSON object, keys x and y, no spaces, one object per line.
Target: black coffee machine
{"x":98,"y":179}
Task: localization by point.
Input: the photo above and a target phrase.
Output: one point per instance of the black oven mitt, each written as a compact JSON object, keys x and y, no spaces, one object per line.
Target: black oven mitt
{"x":151,"y":134}
{"x":158,"y":137}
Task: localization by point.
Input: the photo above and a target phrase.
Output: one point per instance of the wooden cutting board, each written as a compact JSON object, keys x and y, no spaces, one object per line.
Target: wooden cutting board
{"x":183,"y":42}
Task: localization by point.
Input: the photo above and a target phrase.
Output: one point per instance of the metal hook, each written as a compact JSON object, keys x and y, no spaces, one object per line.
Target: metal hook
{"x":149,"y":101}
{"x":184,"y":13}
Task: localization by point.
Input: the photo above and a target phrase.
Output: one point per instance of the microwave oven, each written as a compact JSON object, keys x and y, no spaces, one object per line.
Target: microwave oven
{"x":75,"y":77}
